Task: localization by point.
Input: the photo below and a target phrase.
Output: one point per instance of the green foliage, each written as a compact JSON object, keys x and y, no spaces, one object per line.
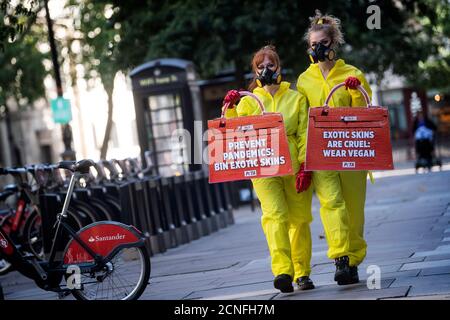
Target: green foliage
{"x":23,"y":72}
{"x":14,"y":19}
{"x":98,"y":40}
{"x":214,"y":34}
{"x":218,"y":34}
{"x":434,"y":70}
{"x":409,"y":36}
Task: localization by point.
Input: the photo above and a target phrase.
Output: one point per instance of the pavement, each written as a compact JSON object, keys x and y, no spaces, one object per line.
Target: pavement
{"x":407,"y":230}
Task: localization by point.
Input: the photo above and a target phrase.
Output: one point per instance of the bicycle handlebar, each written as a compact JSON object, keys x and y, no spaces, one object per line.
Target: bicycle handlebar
{"x":12,"y":171}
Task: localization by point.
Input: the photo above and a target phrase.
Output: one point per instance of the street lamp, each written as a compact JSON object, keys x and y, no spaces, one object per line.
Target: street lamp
{"x":69,"y":153}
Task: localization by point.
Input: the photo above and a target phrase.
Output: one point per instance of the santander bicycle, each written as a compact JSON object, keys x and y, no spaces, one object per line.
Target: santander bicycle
{"x":105,"y":260}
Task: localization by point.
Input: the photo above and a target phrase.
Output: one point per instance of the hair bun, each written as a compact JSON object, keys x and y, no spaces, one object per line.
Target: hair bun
{"x":269,"y":47}
{"x":329,"y":24}
{"x":319,"y":18}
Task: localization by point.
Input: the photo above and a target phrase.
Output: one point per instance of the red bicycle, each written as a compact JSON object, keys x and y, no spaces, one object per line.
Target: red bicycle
{"x":22,"y":224}
{"x":104,"y":260}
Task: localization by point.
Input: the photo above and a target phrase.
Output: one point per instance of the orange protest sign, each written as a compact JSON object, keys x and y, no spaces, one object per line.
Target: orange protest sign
{"x":347,"y":138}
{"x":248,"y":147}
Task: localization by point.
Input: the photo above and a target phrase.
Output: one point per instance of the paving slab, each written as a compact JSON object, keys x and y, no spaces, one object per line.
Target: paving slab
{"x":440,"y":250}
{"x":426,"y":285}
{"x":434,"y":257}
{"x":235,"y":292}
{"x":425,"y":264}
{"x":435,"y":271}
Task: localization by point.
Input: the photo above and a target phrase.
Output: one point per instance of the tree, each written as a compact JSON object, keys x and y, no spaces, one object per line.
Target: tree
{"x":213,"y":34}
{"x":98,"y":54}
{"x":220,"y":34}
{"x":15,"y":19}
{"x":434,"y":71}
{"x":402,"y":42}
{"x":21,"y":79}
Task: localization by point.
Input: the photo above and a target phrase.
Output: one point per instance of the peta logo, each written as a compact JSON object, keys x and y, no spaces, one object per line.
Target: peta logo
{"x":246,"y":127}
{"x":348,"y":164}
{"x":106,"y":238}
{"x":250,"y":173}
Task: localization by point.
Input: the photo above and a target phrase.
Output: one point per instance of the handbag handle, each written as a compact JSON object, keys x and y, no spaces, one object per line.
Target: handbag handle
{"x":360,"y":88}
{"x":245,"y":93}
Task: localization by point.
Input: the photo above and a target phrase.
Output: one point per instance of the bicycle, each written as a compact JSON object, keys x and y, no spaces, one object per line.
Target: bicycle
{"x":98,"y":260}
{"x":22,"y":224}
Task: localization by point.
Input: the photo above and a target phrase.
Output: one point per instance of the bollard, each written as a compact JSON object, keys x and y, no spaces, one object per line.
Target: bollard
{"x":218,"y":204}
{"x":157,"y":213}
{"x":226,"y":200}
{"x":126,"y":205}
{"x":184,"y":204}
{"x":191,"y":179}
{"x":129,"y":215}
{"x":208,"y":202}
{"x":152,"y":222}
{"x":169,"y":206}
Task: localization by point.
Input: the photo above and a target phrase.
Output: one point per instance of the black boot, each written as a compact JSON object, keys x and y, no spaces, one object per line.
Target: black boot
{"x":342,"y":275}
{"x":305,"y":283}
{"x":354,"y":277}
{"x":283,"y":282}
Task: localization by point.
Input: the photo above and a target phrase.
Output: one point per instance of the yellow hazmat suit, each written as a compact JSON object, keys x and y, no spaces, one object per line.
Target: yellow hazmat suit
{"x":286,"y":214}
{"x":341,"y":194}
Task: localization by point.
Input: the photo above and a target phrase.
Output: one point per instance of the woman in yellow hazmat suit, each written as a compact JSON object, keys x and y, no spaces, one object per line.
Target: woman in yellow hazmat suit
{"x":286,"y":215}
{"x":341,"y":193}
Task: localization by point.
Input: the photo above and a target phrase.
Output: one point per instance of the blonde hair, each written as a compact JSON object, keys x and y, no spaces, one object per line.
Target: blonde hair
{"x":328,"y":24}
{"x":269,"y":51}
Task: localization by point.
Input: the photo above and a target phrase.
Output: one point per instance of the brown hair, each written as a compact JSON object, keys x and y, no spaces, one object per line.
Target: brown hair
{"x":328,"y":24}
{"x":258,"y":57}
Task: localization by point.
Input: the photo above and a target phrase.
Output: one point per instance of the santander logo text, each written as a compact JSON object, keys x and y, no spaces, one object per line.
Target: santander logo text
{"x":118,"y":236}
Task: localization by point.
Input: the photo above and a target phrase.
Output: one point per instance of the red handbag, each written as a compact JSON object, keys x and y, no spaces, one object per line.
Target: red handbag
{"x":247,"y":147}
{"x":346,"y":138}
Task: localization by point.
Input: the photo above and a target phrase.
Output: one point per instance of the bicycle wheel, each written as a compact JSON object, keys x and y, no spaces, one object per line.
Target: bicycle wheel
{"x":5,"y":267}
{"x":32,"y":234}
{"x":102,"y":209}
{"x":115,"y":206}
{"x":124,"y":277}
{"x":85,"y":210}
{"x":74,"y":220}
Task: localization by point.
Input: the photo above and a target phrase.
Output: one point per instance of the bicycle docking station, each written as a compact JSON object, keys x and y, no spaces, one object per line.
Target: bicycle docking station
{"x":170,"y":211}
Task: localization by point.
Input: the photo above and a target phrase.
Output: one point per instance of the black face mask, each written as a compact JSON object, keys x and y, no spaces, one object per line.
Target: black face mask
{"x":321,"y":52}
{"x":268,"y":77}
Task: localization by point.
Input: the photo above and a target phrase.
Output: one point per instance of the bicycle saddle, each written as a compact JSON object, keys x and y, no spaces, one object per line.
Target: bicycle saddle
{"x":11,"y":187}
{"x":81,"y":166}
{"x":5,"y":195}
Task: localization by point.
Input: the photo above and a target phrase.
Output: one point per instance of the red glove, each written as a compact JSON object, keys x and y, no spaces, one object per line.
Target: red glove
{"x":352,"y":83}
{"x":303,"y":179}
{"x":231,"y":98}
